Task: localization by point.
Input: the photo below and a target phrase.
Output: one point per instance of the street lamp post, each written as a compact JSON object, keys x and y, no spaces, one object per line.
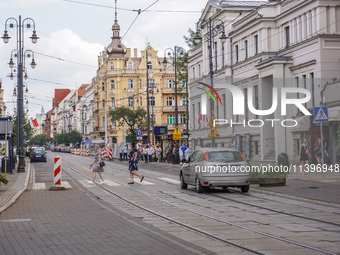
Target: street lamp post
{"x":177,"y":50}
{"x":213,"y":27}
{"x":21,"y":55}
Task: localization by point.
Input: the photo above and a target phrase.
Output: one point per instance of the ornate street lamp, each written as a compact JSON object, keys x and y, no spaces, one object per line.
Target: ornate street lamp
{"x":21,"y":55}
{"x":214,"y":27}
{"x":175,"y":52}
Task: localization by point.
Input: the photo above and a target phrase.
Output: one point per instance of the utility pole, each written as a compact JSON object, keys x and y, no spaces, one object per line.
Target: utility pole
{"x":105,"y":124}
{"x":124,"y":131}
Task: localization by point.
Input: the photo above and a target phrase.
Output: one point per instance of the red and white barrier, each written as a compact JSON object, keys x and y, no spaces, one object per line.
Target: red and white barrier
{"x":103,"y":153}
{"x":110,"y":154}
{"x":78,"y":152}
{"x":57,"y":171}
{"x":87,"y":152}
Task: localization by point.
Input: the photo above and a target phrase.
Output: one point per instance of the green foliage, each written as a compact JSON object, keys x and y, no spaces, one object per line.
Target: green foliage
{"x":67,"y":138}
{"x":134,"y":119}
{"x":27,"y":129}
{"x":3,"y":179}
{"x":189,"y":40}
{"x":38,"y":140}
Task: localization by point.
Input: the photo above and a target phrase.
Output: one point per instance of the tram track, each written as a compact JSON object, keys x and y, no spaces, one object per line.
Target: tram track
{"x":195,"y":229}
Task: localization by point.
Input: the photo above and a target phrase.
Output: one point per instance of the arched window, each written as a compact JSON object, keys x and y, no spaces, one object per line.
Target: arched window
{"x":112,"y":84}
{"x":103,"y":103}
{"x":152,"y":101}
{"x":170,"y":84}
{"x":103,"y":86}
{"x":112,"y":66}
{"x":113,"y":102}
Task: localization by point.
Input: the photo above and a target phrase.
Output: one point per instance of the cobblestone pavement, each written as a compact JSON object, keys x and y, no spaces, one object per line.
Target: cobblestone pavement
{"x":77,"y":222}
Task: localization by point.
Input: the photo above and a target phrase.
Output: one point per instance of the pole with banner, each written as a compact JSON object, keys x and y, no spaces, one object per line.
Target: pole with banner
{"x":320,"y":116}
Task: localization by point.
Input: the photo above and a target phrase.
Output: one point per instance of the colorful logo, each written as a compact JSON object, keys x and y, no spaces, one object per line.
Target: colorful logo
{"x":209,"y":93}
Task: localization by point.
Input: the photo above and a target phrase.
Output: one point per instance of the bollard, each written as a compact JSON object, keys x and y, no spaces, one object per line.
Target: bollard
{"x":57,"y":171}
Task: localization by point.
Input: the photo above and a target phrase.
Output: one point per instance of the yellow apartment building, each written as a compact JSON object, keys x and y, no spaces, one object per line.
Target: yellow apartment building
{"x":121,"y":80}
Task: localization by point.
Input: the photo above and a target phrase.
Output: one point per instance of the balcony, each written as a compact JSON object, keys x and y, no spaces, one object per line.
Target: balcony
{"x":171,"y":109}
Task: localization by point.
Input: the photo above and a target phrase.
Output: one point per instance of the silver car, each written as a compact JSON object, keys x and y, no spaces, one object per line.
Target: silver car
{"x":215,"y":167}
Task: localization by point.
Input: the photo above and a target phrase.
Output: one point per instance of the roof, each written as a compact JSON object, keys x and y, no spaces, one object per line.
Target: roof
{"x":81,"y":90}
{"x":59,"y":95}
{"x":242,"y":3}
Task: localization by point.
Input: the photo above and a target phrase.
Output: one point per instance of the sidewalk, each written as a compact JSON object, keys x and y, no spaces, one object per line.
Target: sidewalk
{"x":17,"y":183}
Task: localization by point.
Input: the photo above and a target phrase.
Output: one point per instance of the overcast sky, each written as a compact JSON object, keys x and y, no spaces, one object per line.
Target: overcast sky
{"x":76,"y":33}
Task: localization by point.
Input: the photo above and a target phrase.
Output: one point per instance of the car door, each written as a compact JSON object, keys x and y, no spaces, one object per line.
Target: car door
{"x":197,"y":167}
{"x":186,"y":169}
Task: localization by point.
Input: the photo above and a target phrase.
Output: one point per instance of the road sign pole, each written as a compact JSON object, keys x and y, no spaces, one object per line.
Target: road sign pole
{"x":321,"y":135}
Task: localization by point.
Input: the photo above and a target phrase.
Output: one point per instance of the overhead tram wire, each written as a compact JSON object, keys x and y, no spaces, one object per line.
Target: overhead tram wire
{"x":57,"y":83}
{"x":64,"y":60}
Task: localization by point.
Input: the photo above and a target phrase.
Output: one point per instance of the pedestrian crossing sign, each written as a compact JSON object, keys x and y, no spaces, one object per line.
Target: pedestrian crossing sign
{"x":213,"y":133}
{"x":320,"y":114}
{"x":177,"y":134}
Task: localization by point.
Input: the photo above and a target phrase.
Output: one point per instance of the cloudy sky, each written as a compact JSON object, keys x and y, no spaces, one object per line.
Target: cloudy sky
{"x":72,"y":34}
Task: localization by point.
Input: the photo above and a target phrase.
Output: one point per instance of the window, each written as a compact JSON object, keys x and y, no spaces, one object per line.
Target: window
{"x":103,"y":121}
{"x":256,"y":95}
{"x":113,"y":124}
{"x":183,"y":119}
{"x":246,"y":49}
{"x":153,"y":118}
{"x":112,"y":84}
{"x":170,"y":119}
{"x":224,"y":108}
{"x":169,"y":66}
{"x":113,"y":102}
{"x":287,"y":36}
{"x":193,"y":116}
{"x":193,"y":72}
{"x":183,"y":101}
{"x":103,"y":86}
{"x":215,"y":45}
{"x":151,"y":83}
{"x":112,"y":66}
{"x":199,"y":71}
{"x":236,"y":53}
{"x":222,"y":54}
{"x":256,"y":39}
{"x":140,"y":101}
{"x":152,"y":101}
{"x":130,"y":101}
{"x":140,"y":83}
{"x":130,"y":84}
{"x":103,"y":104}
{"x":130,"y":66}
{"x":170,"y":84}
{"x":170,"y":101}
{"x":183,"y":84}
{"x":245,"y":103}
{"x":149,"y":65}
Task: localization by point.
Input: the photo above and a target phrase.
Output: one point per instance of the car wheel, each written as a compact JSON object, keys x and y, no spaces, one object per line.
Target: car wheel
{"x":245,"y":189}
{"x":45,"y":160}
{"x":199,"y":187}
{"x":183,"y":184}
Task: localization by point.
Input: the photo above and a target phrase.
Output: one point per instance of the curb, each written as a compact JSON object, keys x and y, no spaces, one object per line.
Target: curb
{"x":19,"y":192}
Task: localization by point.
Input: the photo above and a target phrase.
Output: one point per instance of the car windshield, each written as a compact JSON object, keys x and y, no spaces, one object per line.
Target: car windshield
{"x":225,"y":156}
{"x":39,"y":152}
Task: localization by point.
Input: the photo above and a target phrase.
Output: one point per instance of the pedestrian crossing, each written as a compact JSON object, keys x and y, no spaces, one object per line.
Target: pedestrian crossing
{"x":109,"y":183}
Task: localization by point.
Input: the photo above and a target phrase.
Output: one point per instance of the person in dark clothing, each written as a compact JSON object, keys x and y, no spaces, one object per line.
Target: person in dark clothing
{"x":133,"y":164}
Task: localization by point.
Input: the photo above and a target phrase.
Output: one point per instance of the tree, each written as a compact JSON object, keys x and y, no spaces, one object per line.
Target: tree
{"x":189,"y":40}
{"x":38,"y":140}
{"x":67,"y":138}
{"x":135,"y":119}
{"x":27,"y":129}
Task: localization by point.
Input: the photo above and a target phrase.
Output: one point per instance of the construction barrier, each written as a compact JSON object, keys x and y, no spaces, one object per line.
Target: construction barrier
{"x":57,"y":171}
{"x":103,"y":153}
{"x":87,"y":152}
{"x":110,"y":154}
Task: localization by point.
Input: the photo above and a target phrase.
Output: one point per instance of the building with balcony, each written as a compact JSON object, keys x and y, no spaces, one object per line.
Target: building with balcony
{"x":122,"y":79}
{"x":271,"y":46}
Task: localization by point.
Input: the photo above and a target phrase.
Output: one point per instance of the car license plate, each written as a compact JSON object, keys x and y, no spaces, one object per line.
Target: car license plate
{"x":38,"y":156}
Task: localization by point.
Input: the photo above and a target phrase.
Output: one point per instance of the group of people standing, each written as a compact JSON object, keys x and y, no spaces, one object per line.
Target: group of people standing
{"x":305,"y":154}
{"x":183,"y":151}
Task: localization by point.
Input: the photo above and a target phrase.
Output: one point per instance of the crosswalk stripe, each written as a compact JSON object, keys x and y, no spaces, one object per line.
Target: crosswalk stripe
{"x":39,"y":186}
{"x":66,"y":185}
{"x":112,"y":183}
{"x":172,"y":181}
{"x":86,"y":184}
{"x":143,"y":182}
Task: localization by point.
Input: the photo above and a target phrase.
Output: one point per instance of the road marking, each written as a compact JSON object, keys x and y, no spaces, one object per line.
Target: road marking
{"x":112,"y":183}
{"x":66,"y":185}
{"x":39,"y":186}
{"x":143,"y":182}
{"x":172,"y":181}
{"x":86,"y":184}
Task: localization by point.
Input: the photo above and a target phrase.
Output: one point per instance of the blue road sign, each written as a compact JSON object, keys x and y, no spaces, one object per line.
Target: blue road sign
{"x":84,"y":141}
{"x":321,"y":114}
{"x":139,"y":133}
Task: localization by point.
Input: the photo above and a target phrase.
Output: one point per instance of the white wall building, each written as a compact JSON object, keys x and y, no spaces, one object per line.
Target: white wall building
{"x":271,"y":45}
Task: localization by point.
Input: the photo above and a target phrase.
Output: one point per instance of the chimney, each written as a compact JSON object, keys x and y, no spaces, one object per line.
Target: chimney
{"x":128,"y":52}
{"x":135,"y":53}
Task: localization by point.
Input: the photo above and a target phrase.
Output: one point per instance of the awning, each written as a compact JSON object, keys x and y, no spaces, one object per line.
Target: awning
{"x":334,"y":113}
{"x":303,"y":124}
